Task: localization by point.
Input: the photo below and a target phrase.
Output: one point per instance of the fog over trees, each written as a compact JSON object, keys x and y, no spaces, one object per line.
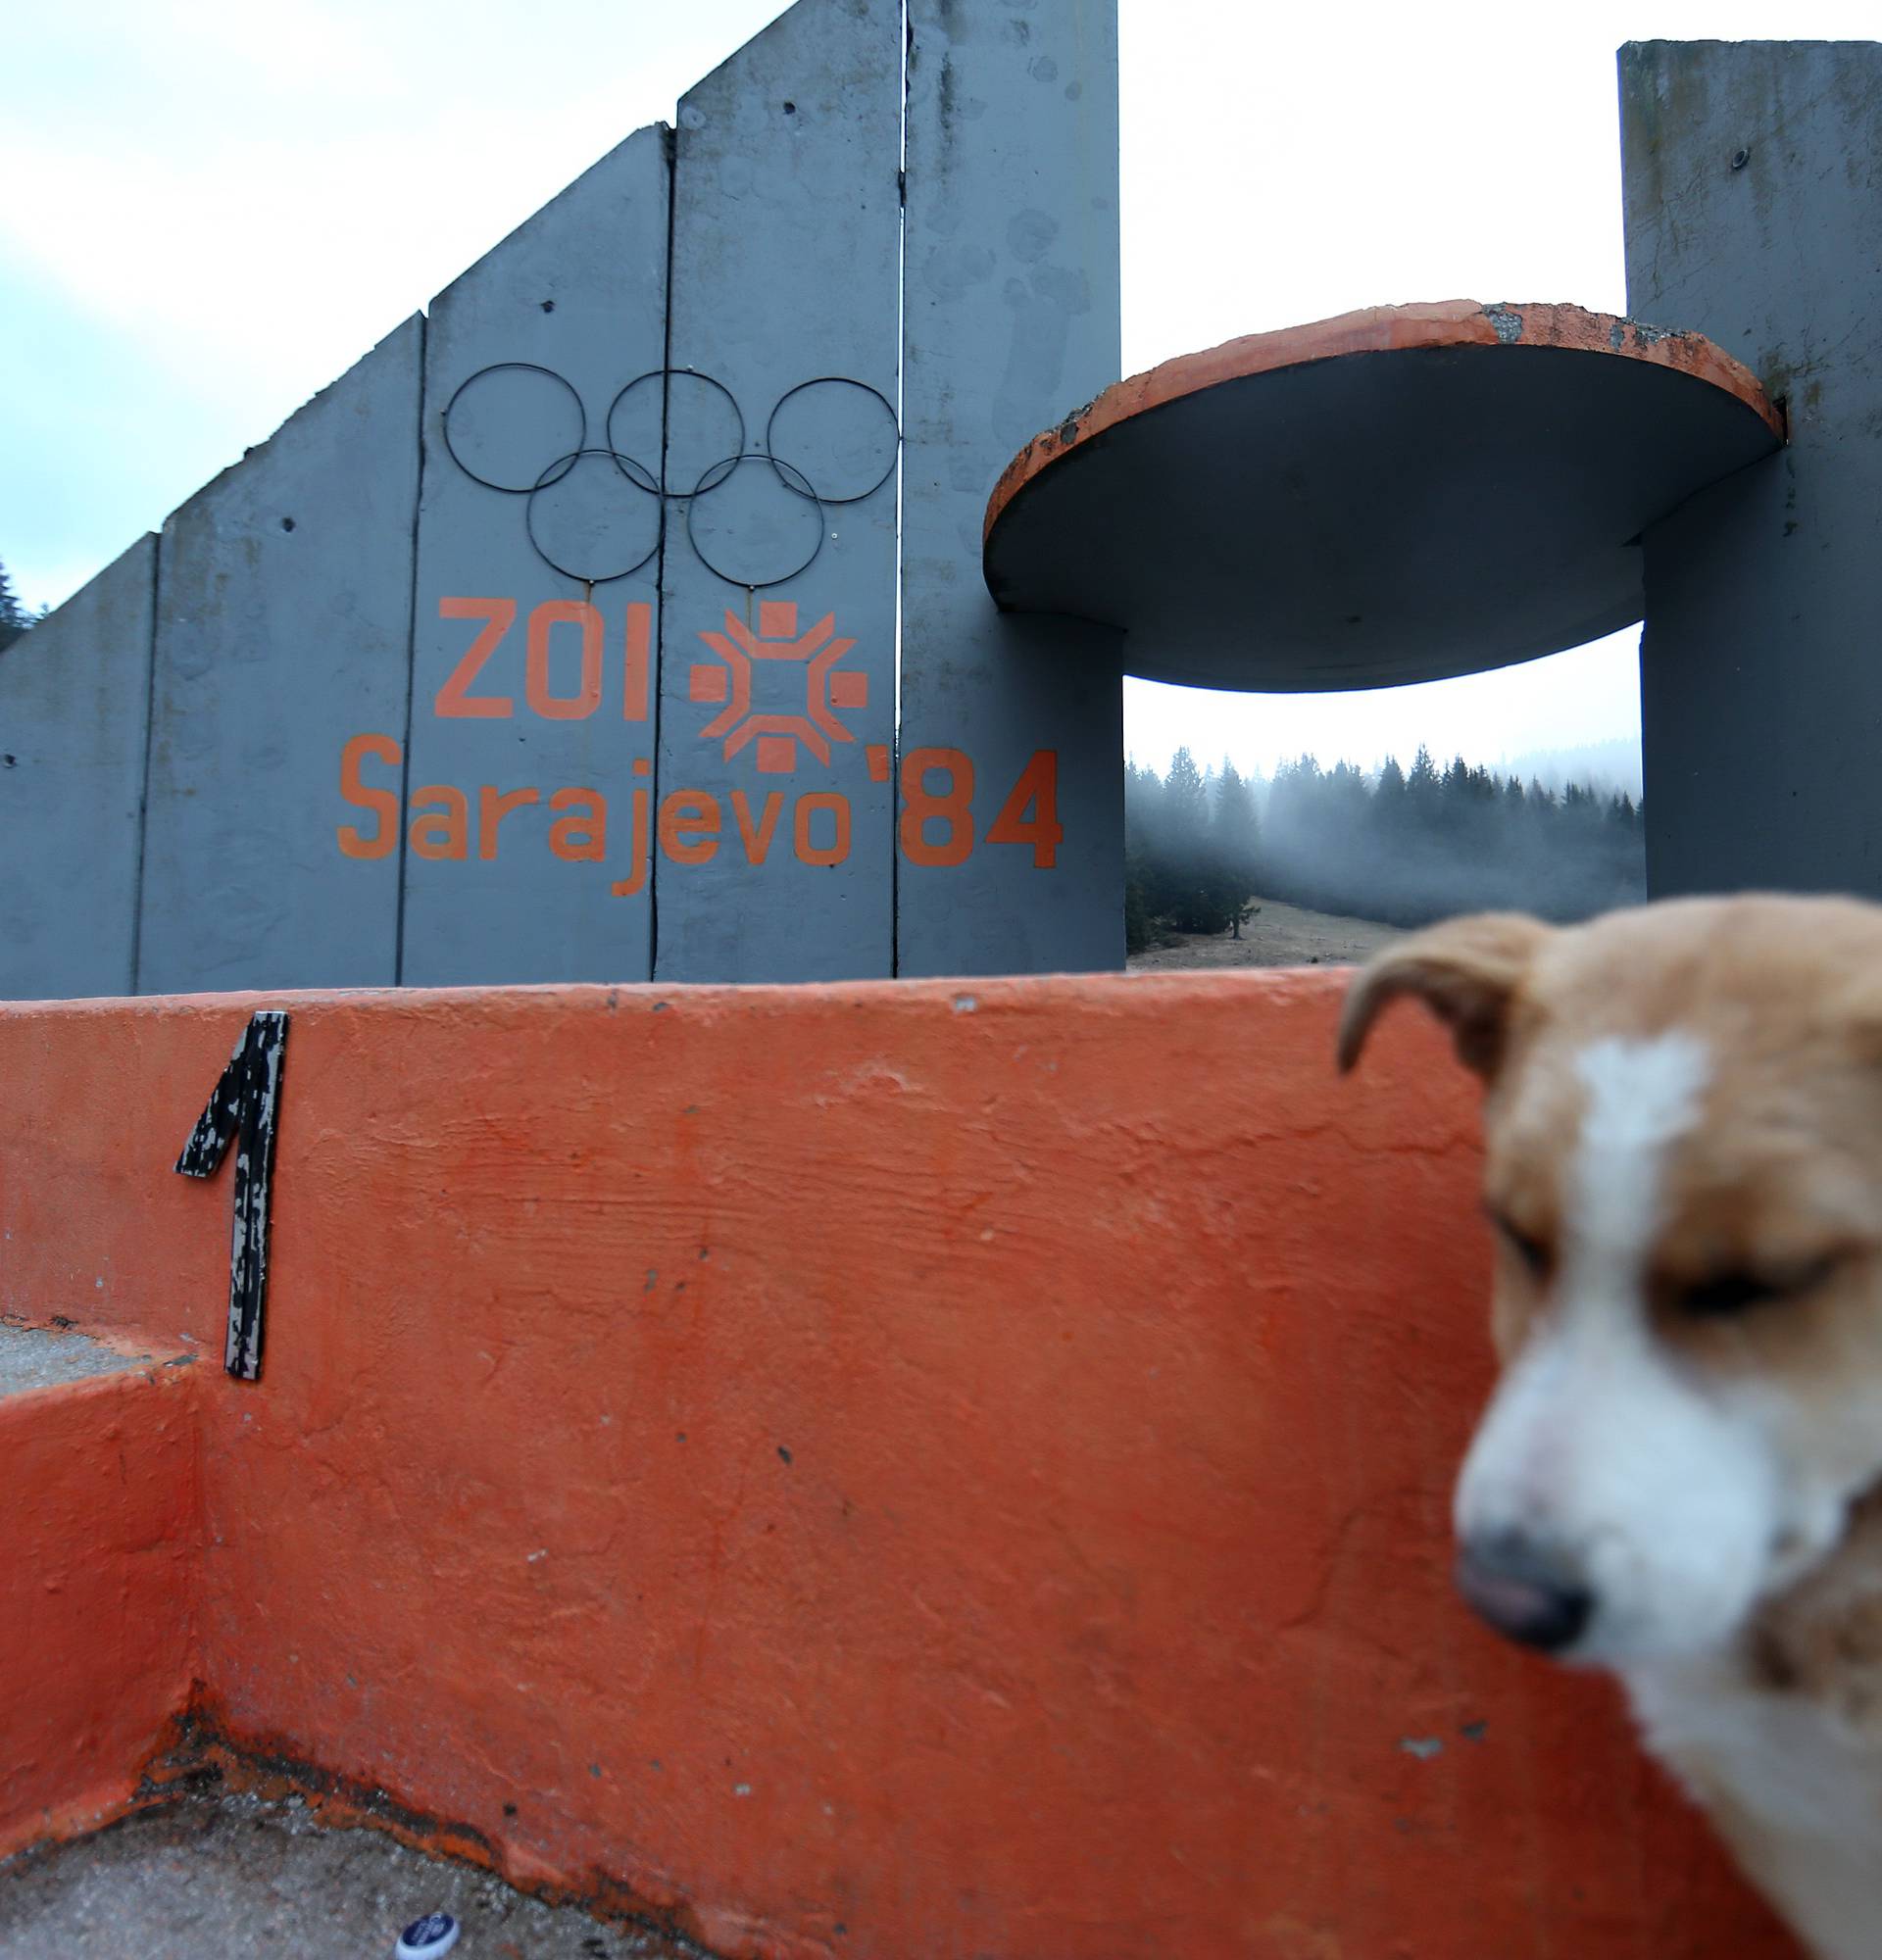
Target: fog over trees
{"x":1404,"y":846}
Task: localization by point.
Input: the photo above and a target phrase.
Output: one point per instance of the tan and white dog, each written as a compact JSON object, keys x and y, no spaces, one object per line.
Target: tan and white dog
{"x":1679,"y":1475}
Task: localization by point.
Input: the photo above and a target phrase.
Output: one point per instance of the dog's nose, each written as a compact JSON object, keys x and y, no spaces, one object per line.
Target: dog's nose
{"x":1523,"y":1592}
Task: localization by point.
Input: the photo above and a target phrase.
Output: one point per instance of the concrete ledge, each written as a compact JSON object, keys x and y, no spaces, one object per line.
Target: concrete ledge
{"x":901,"y":1470}
{"x":100,"y":1579}
{"x":43,"y":1357}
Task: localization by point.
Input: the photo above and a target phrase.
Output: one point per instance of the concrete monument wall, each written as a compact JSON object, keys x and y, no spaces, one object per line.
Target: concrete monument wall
{"x":558,"y":640}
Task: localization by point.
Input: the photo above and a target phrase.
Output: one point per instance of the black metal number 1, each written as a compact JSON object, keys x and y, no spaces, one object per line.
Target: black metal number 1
{"x":246,"y":1104}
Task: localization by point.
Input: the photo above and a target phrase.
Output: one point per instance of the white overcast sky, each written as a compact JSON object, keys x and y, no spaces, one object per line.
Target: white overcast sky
{"x":209,"y":208}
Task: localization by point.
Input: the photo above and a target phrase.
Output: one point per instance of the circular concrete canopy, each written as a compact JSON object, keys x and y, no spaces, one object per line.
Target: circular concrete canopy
{"x":1396,"y":495}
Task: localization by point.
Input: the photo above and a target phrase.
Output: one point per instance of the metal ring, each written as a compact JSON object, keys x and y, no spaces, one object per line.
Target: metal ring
{"x":731,"y":464}
{"x":692,"y":373}
{"x":846,"y":381}
{"x":545,"y":481}
{"x":526,"y":368}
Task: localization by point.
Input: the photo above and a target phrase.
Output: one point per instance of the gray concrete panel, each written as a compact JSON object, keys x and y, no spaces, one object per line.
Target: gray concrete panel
{"x":1011,"y":318}
{"x":1753,"y":178}
{"x":74,"y":694}
{"x":532,"y":672}
{"x":777,"y":699}
{"x":282,"y":633}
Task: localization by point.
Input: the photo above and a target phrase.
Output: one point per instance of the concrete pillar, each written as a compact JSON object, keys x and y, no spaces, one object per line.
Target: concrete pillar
{"x":531,"y":759}
{"x":1754,"y":214}
{"x":778,"y":685}
{"x":284,"y":630}
{"x":1012,"y":743}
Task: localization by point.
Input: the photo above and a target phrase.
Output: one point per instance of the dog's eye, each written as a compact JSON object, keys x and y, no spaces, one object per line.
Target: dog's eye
{"x":1533,"y":1254}
{"x":1732,"y":1293}
{"x":1727,"y":1293}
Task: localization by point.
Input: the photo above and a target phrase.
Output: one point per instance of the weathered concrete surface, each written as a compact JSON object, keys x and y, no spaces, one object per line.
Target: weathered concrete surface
{"x":74,"y":699}
{"x":523,"y":890}
{"x":786,"y":269}
{"x":1011,"y":314}
{"x":1400,"y":494}
{"x":1754,"y":211}
{"x":896,"y":1471}
{"x":100,"y":1571}
{"x":239,"y":1878}
{"x":42,"y":1357}
{"x":284,"y":629}
{"x":446,"y":762}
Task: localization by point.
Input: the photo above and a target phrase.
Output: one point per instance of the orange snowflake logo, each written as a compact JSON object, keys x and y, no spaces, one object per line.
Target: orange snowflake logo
{"x":777,"y":640}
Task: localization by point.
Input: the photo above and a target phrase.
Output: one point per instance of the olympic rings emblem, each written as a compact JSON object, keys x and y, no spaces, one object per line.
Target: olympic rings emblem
{"x":651,"y":483}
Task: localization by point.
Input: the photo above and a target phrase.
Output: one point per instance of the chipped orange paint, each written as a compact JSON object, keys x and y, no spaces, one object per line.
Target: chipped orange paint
{"x":887,"y":1470}
{"x":1390,"y":330}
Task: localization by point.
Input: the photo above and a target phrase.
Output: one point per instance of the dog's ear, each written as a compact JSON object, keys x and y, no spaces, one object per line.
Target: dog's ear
{"x":1465,"y":971}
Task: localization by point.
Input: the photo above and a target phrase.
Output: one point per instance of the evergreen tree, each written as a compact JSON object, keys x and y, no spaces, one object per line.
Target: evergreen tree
{"x":1346,"y":789}
{"x":1143,"y":810}
{"x":1139,"y":927}
{"x":1143,"y":790}
{"x":1235,"y":838}
{"x":1423,"y":792}
{"x":14,"y":617}
{"x":1391,"y":807}
{"x":1185,"y":802}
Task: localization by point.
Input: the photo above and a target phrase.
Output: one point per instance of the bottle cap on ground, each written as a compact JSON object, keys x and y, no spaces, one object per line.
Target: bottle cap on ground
{"x":424,"y":1938}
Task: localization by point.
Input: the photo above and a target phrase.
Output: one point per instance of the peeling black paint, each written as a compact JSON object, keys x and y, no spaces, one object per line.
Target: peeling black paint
{"x":245,"y":1105}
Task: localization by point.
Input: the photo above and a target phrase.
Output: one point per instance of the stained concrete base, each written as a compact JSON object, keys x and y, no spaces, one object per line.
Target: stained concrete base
{"x":242,"y":1879}
{"x":43,"y":1357}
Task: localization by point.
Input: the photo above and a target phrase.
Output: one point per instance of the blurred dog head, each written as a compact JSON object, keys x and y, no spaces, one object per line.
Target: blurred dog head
{"x":1683,"y":1170}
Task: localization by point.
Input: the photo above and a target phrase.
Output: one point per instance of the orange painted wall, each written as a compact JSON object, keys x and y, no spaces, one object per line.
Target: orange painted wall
{"x":890,"y":1471}
{"x":99,"y":1576}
